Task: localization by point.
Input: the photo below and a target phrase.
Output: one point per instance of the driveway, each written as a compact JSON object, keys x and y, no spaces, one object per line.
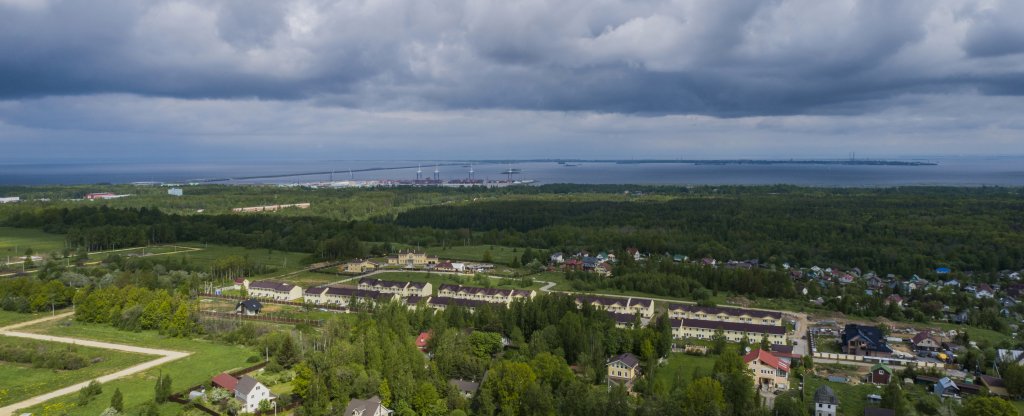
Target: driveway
{"x":165,"y":356}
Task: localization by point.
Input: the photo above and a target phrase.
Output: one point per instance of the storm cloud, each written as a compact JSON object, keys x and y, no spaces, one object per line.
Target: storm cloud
{"x":846,"y":64}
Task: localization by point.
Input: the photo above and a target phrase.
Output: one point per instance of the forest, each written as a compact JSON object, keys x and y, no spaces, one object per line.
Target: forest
{"x":902,"y":231}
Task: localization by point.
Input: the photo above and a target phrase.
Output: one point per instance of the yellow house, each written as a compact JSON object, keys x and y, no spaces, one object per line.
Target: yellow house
{"x":269,"y":289}
{"x":407,"y":258}
{"x":422,"y":289}
{"x":624,"y":369}
{"x":411,"y":259}
{"x":724,"y":314}
{"x":733,"y":331}
{"x":767,"y":369}
{"x":482,"y":294}
{"x":628,"y":306}
{"x":358,"y":266}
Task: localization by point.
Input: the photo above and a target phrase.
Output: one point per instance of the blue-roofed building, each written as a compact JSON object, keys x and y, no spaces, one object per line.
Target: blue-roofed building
{"x":590,"y":263}
{"x":942,"y":270}
{"x":864,"y":340}
{"x":946,"y":387}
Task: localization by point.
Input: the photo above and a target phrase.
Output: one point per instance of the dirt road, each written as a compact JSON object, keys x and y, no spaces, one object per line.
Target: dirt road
{"x":165,"y":356}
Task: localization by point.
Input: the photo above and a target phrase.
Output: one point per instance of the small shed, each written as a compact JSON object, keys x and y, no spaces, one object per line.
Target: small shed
{"x":249,"y":307}
{"x":880,"y":374}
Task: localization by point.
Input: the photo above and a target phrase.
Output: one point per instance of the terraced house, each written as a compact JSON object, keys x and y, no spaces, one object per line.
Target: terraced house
{"x":398,"y":288}
{"x":724,"y":314}
{"x":626,"y":306}
{"x":274,"y":290}
{"x":733,"y":331}
{"x":345,"y":295}
{"x":483,"y":294}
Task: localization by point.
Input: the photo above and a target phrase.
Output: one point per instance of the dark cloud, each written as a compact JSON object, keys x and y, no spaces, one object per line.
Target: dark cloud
{"x":647,"y":57}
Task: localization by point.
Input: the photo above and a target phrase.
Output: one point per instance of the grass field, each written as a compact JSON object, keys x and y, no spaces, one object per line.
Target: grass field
{"x":21,"y":381}
{"x":976,"y":334}
{"x":309,"y":279}
{"x":9,"y":318}
{"x":14,"y":242}
{"x":682,"y":367}
{"x":499,"y":254}
{"x":282,"y":261}
{"x":208,"y":359}
{"x":852,"y":398}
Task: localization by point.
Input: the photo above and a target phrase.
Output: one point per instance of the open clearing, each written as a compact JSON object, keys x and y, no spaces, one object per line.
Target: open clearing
{"x":14,"y":241}
{"x":21,"y":381}
{"x":208,"y":359}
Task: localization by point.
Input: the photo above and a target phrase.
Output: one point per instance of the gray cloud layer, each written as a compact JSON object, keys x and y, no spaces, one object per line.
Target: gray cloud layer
{"x":719,"y":58}
{"x":566,"y":78}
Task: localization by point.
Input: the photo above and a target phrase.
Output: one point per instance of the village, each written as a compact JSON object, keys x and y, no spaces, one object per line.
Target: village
{"x":844,"y":354}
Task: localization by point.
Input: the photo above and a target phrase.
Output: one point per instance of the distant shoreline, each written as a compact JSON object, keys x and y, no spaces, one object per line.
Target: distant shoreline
{"x":786,"y":162}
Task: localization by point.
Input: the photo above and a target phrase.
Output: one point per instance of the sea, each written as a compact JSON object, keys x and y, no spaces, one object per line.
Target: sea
{"x":972,"y":172}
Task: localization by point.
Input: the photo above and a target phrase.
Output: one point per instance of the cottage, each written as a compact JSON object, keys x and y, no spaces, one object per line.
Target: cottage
{"x":225,"y":381}
{"x":249,"y":307}
{"x":358,"y":266}
{"x":251,"y":392}
{"x":880,"y":374}
{"x":624,"y":369}
{"x":894,"y":299}
{"x":925,"y":341}
{"x":984,"y":291}
{"x":767,"y":369}
{"x":825,"y":402}
{"x":368,"y":407}
{"x":467,"y":388}
{"x":1009,"y":356}
{"x":557,"y":258}
{"x":995,"y":385}
{"x":423,"y":340}
{"x":864,"y":340}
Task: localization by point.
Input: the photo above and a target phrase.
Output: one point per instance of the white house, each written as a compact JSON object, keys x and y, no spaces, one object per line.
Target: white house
{"x":825,"y":402}
{"x":368,"y":407}
{"x":251,"y":392}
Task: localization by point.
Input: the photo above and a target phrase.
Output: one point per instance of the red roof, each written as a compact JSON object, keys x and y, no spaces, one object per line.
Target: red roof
{"x":225,"y":381}
{"x":766,"y":358}
{"x":421,"y":341}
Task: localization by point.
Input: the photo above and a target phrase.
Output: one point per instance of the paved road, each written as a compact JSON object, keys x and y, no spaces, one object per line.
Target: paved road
{"x":165,"y":356}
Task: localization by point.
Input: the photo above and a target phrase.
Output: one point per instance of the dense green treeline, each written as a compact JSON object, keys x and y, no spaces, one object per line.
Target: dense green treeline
{"x":902,"y":233}
{"x":663,"y":277}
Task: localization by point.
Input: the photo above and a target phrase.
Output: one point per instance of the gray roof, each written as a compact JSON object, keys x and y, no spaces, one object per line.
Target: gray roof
{"x":465,"y":386}
{"x":362,"y":407}
{"x":272,"y":285}
{"x":246,"y":384}
{"x":628,"y":359}
{"x":824,"y":394}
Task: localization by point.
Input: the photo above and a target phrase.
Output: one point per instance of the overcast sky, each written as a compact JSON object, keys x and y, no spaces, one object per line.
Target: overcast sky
{"x":434,"y":79}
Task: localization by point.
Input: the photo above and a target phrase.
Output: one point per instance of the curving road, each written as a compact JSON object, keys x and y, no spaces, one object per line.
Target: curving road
{"x":165,"y":356}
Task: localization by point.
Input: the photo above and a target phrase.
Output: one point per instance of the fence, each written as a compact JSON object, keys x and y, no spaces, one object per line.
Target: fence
{"x":883,"y":360}
{"x":262,"y":318}
{"x":181,"y":397}
{"x":276,"y":302}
